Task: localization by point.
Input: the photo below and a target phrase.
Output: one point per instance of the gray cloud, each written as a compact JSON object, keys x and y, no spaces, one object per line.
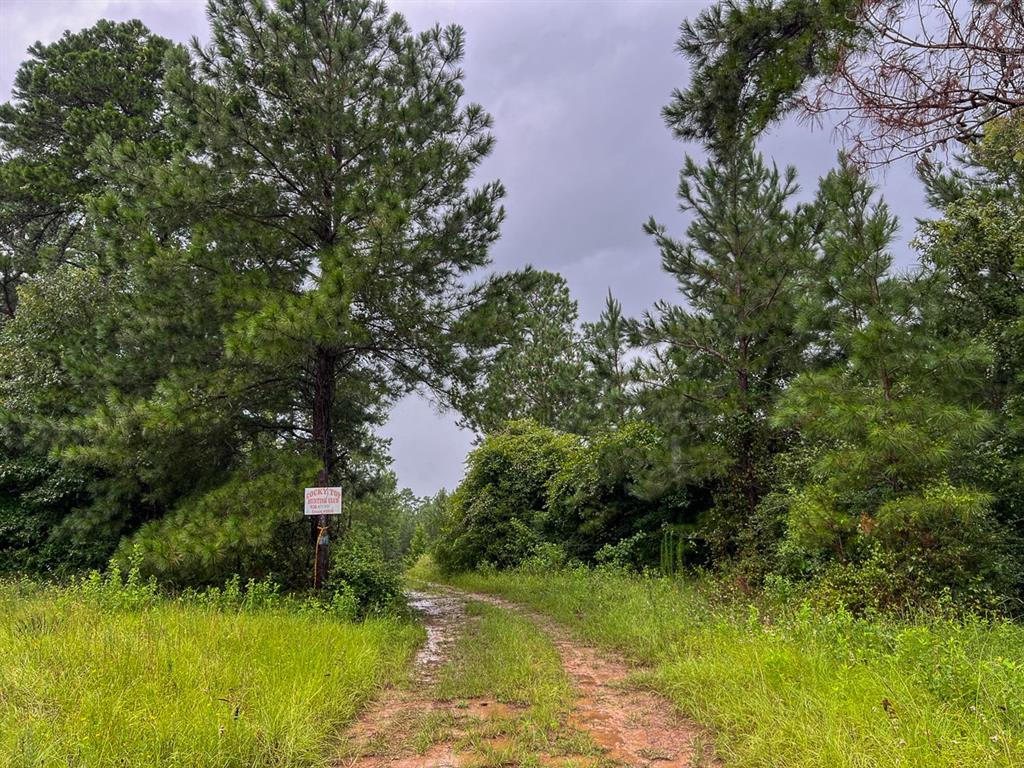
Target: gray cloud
{"x":576,"y":90}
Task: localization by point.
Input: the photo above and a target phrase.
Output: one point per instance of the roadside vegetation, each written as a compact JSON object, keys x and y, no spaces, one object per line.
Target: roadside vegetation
{"x":784,"y":682}
{"x":110,"y":673}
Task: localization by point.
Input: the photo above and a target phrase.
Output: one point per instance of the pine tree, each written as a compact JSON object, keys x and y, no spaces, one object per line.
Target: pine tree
{"x":607,"y":344}
{"x":325,"y":186}
{"x":297,"y":255}
{"x":722,"y":357}
{"x":976,"y":250}
{"x":537,"y":372}
{"x":885,"y":427}
{"x":102,"y":81}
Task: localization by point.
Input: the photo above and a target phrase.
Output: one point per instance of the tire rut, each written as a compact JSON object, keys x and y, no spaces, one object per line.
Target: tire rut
{"x":632,"y":726}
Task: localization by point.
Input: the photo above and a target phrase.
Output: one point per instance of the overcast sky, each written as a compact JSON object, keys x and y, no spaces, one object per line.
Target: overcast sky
{"x":575,"y":88}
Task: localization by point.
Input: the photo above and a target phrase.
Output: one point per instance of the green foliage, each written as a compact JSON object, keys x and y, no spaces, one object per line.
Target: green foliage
{"x":750,"y":60}
{"x":492,"y":514}
{"x":428,"y":517}
{"x":272,"y":239}
{"x":533,"y":495}
{"x":886,"y":428}
{"x":975,"y":249}
{"x":250,"y":526}
{"x":35,"y":497}
{"x":596,"y":497}
{"x":104,"y":81}
{"x":721,"y":357}
{"x":360,"y":570}
{"x":607,"y":344}
{"x":385,"y":515}
{"x":536,"y":373}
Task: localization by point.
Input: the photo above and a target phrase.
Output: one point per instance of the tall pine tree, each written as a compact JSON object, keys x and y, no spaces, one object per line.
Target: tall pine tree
{"x":326,"y":174}
{"x":722,"y":357}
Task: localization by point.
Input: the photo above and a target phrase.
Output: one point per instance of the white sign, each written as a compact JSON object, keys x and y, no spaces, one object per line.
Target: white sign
{"x":323,"y":501}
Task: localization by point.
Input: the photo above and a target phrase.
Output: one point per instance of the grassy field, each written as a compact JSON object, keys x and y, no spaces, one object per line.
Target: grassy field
{"x":86,"y":683}
{"x":796,"y":687}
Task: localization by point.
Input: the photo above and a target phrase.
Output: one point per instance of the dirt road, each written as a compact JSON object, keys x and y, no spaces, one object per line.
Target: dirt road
{"x":410,"y":726}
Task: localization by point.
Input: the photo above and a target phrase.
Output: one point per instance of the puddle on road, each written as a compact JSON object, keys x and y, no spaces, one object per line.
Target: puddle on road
{"x":442,"y":616}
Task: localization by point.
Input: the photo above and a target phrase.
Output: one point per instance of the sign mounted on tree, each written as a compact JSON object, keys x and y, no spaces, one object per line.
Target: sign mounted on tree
{"x":323,"y":501}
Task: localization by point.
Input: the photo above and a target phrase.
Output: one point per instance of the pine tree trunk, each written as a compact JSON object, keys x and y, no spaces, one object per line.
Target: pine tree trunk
{"x":324,"y":383}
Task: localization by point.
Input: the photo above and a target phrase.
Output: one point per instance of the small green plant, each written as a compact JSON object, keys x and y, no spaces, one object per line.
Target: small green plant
{"x":116,"y":590}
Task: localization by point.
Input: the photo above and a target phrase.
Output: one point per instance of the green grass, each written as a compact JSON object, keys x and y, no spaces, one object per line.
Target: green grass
{"x":795,"y":687}
{"x":172,"y":684}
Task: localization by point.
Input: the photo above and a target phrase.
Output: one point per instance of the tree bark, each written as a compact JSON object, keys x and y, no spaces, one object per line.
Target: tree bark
{"x":324,"y":383}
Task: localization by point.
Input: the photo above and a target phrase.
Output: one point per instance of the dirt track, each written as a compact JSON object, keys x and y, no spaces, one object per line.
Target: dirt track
{"x":630,"y":726}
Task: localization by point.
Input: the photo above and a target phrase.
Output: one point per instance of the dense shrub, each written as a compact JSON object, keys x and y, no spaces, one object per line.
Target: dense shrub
{"x":530,"y":488}
{"x":360,"y":571}
{"x":493,"y":515}
{"x":36,"y":495}
{"x":597,"y":497}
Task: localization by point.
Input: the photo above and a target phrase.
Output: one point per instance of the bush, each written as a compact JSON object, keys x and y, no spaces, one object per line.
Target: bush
{"x":493,"y":516}
{"x":117,"y":590}
{"x":36,"y":497}
{"x":530,"y":488}
{"x":597,"y":497}
{"x":363,"y":577}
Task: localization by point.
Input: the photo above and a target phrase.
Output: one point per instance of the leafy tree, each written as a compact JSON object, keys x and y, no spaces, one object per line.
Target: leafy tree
{"x":386,"y":516}
{"x":246,"y":526}
{"x":886,"y":427}
{"x":103,"y":84}
{"x":102,"y":81}
{"x":493,"y":516}
{"x":722,"y":357}
{"x":35,"y":496}
{"x":429,"y":517}
{"x":597,"y":496}
{"x":293,"y":257}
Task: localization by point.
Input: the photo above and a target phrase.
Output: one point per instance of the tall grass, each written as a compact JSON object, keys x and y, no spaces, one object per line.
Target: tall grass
{"x":792,"y":686}
{"x":86,"y":680}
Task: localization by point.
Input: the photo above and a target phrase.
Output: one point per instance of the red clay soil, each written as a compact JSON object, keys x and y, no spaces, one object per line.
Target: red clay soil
{"x":631,"y":726}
